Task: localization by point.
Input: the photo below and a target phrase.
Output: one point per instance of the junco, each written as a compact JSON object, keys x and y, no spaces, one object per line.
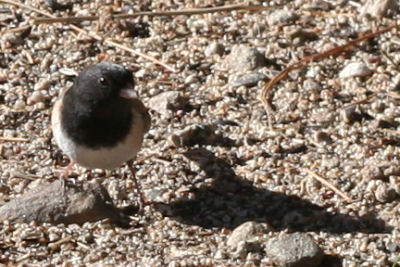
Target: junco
{"x":100,"y":121}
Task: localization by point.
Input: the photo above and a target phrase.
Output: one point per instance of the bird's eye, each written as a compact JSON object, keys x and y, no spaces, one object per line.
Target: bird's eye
{"x":103,"y":81}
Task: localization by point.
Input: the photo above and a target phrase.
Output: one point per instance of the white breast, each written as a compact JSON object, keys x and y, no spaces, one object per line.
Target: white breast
{"x":102,"y":158}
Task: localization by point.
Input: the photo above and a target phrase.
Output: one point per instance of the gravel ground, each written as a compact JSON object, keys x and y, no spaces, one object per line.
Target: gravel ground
{"x":213,"y":159}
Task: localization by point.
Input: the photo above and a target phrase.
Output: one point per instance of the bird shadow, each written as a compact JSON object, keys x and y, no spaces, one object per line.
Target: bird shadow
{"x":231,"y":200}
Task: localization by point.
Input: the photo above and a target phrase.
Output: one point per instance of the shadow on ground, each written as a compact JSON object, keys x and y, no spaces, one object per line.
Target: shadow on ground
{"x":231,"y":201}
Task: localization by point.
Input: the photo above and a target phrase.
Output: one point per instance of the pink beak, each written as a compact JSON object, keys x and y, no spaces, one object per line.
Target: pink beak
{"x":128,"y":92}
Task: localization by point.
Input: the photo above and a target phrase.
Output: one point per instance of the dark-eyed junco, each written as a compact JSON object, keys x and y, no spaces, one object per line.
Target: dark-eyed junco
{"x":100,"y":121}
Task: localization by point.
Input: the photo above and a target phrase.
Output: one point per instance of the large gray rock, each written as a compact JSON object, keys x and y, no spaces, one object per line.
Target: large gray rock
{"x":59,"y":202}
{"x":294,"y":250}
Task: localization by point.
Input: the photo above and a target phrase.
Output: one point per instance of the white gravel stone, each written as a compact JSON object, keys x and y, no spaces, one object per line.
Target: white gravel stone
{"x":355,"y":69}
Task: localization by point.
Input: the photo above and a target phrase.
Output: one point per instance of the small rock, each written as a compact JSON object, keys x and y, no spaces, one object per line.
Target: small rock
{"x":68,"y":72}
{"x":281,"y":16}
{"x":116,"y":190}
{"x":220,"y":255}
{"x":323,"y":137}
{"x":380,"y":123}
{"x":191,"y":79}
{"x":396,"y":83}
{"x":299,"y":35}
{"x":214,"y":167}
{"x":318,"y":5}
{"x":392,"y":170}
{"x":384,"y":193}
{"x":9,"y":40}
{"x":244,"y":58}
{"x":395,"y":184}
{"x":249,"y":79}
{"x":350,"y":115}
{"x":245,"y":247}
{"x":311,"y":85}
{"x":378,"y":106}
{"x":36,"y":97}
{"x":19,"y":105}
{"x":54,"y":5}
{"x":380,"y":8}
{"x":214,"y":49}
{"x":294,"y":250}
{"x":245,"y":232}
{"x":371,"y":172}
{"x":43,"y":84}
{"x":6,"y":18}
{"x":393,"y":247}
{"x":3,"y":75}
{"x":168,"y":102}
{"x":202,"y":134}
{"x":355,"y":69}
{"x":4,"y":188}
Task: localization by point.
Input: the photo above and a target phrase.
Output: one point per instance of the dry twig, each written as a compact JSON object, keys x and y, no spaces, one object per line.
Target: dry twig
{"x":266,"y":92}
{"x":328,"y":184}
{"x":192,"y":11}
{"x":93,"y":35}
{"x":13,"y":139}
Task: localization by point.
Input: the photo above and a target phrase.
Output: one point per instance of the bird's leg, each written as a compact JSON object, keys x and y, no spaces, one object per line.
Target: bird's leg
{"x":64,"y":176}
{"x":141,"y":200}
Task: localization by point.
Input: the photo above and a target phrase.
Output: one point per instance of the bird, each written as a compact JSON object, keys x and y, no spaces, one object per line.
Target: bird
{"x":100,"y":122}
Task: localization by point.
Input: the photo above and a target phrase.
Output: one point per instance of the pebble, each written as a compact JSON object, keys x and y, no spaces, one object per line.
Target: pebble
{"x":43,"y":84}
{"x":371,"y":172}
{"x":294,"y":250}
{"x":281,"y":16}
{"x":351,"y":115}
{"x":19,"y":105}
{"x":380,"y":123}
{"x":311,"y":84}
{"x":116,"y":190}
{"x":395,"y":184}
{"x":214,"y":48}
{"x":68,"y":72}
{"x":244,"y":58}
{"x":191,"y":79}
{"x":380,"y":8}
{"x":355,"y":69}
{"x":392,"y":170}
{"x":36,"y":97}
{"x":249,"y":79}
{"x":168,"y":102}
{"x":244,"y":248}
{"x":245,"y":232}
{"x":317,"y":5}
{"x":9,"y":40}
{"x":299,"y":35}
{"x":396,"y":82}
{"x":322,"y":137}
{"x":384,"y":193}
{"x":194,"y":134}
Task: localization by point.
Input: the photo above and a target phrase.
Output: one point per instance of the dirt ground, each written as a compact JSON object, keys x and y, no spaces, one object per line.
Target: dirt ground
{"x":324,"y":162}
